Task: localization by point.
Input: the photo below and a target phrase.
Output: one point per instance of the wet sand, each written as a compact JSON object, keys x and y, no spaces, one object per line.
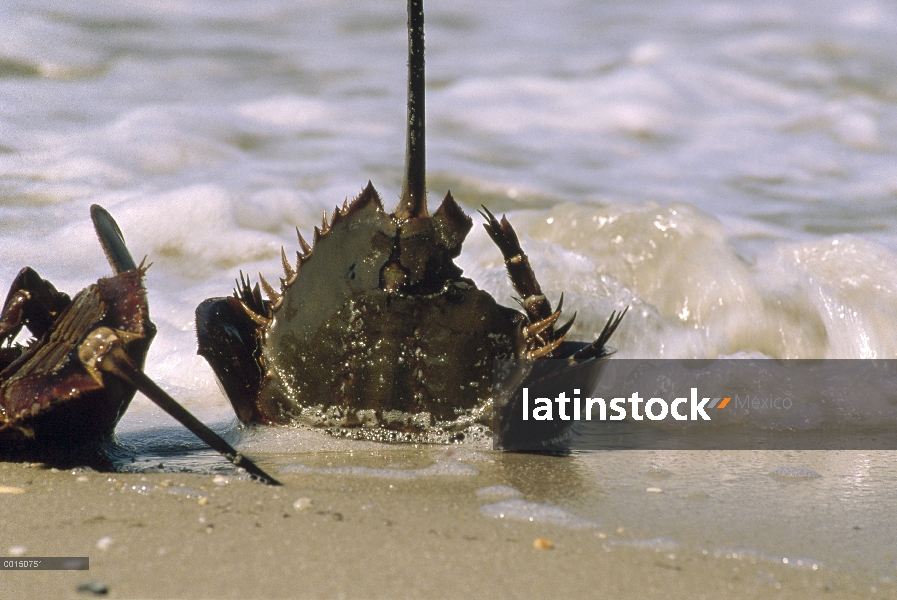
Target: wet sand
{"x":348,"y":525}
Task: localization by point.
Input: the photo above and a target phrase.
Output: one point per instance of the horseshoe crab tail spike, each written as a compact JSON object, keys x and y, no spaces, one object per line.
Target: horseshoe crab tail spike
{"x":103,"y":351}
{"x":414,"y":187}
{"x":112,"y":240}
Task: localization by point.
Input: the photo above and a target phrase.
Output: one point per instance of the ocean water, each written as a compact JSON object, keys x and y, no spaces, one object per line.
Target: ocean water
{"x":727,"y":169}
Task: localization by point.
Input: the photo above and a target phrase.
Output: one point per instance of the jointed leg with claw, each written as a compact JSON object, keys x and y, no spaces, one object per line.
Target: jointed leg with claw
{"x":541,"y":337}
{"x":32,"y":302}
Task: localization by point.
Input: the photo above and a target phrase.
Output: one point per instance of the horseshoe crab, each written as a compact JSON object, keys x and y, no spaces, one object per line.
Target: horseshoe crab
{"x":374,"y":328}
{"x":62,"y":394}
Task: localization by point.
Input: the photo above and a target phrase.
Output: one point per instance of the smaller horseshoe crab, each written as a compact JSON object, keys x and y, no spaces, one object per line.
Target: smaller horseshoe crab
{"x":374,"y":329}
{"x":62,"y":394}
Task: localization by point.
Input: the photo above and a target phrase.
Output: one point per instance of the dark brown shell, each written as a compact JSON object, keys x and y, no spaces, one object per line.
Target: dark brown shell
{"x":376,"y":318}
{"x":376,"y":327}
{"x":371,"y":322}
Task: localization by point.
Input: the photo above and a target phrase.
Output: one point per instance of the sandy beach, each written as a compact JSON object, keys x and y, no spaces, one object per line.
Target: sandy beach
{"x":350,"y":525}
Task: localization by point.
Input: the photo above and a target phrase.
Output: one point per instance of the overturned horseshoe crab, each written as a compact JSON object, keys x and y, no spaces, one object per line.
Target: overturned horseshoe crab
{"x":62,"y":394}
{"x":374,"y":327}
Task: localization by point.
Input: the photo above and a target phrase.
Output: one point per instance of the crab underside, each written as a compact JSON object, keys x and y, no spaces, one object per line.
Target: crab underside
{"x":51,"y":404}
{"x":63,"y":392}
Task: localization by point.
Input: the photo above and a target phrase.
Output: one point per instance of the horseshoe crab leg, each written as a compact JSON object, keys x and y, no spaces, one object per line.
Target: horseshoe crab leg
{"x":103,"y":351}
{"x":32,"y":302}
{"x":521,"y":273}
{"x":596,"y":348}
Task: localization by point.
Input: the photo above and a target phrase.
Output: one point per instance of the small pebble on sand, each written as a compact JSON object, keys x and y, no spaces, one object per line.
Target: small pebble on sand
{"x":104,"y":543}
{"x":302,"y":504}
